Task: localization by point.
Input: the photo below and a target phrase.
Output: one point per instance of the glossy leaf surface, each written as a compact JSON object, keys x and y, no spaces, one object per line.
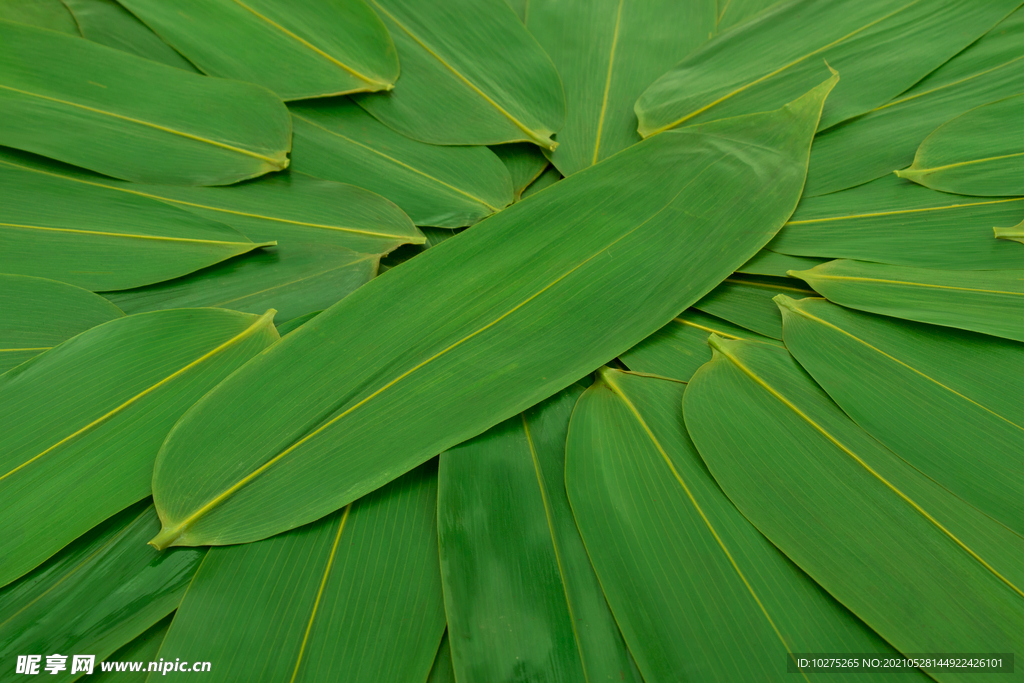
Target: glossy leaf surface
{"x":298,"y":48}
{"x":38,"y":314}
{"x":67,"y":463}
{"x":108,"y":23}
{"x":358,"y":591}
{"x":746,"y":301}
{"x":515,"y":323}
{"x":143,"y":648}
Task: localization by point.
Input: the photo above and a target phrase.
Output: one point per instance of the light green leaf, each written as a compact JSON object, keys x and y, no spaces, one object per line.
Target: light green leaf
{"x":442,"y":671}
{"x":925,"y":570}
{"x":67,"y":464}
{"x":448,"y":187}
{"x":983,"y":301}
{"x":522,"y":600}
{"x":122,"y":115}
{"x":294,"y":280}
{"x":38,"y":314}
{"x":356,"y":595}
{"x":898,"y":222}
{"x":1015,"y":233}
{"x":885,"y":138}
{"x":108,"y":23}
{"x":772,"y":263}
{"x":777,"y":55}
{"x":746,"y":300}
{"x":96,"y":595}
{"x":607,"y":52}
{"x":690,"y":581}
{"x":471,"y":75}
{"x":296,"y":323}
{"x":299,"y":48}
{"x":980,"y":152}
{"x":101,"y":239}
{"x":546,"y":179}
{"x":733,"y":12}
{"x":534,"y":298}
{"x":144,"y":648}
{"x":677,"y":350}
{"x":49,"y":14}
{"x":525,"y":163}
{"x":927,"y":393}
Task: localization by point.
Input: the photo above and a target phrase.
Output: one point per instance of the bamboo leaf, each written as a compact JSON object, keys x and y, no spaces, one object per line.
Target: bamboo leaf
{"x":471,"y":75}
{"x":746,"y":301}
{"x":677,"y":350}
{"x":897,"y":222}
{"x":97,"y":594}
{"x":48,"y":14}
{"x":849,"y":155}
{"x":143,"y":648}
{"x":983,"y":301}
{"x":298,"y":48}
{"x":766,"y":262}
{"x":549,"y":177}
{"x":39,"y":314}
{"x":1015,"y":233}
{"x":929,"y":394}
{"x":882,"y":538}
{"x":522,"y":600}
{"x":111,"y":112}
{"x":442,"y":671}
{"x":296,"y":323}
{"x":437,"y":186}
{"x":980,"y":152}
{"x":357,"y":592}
{"x":733,"y":12}
{"x":607,"y":52}
{"x":690,"y":581}
{"x":67,"y":464}
{"x":525,"y":163}
{"x":108,"y":23}
{"x":777,"y":55}
{"x":515,"y":323}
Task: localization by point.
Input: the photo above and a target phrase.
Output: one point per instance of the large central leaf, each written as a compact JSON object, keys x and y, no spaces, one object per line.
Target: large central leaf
{"x":528,"y":301}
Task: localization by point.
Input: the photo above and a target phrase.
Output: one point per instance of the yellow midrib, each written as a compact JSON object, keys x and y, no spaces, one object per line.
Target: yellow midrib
{"x":607,"y":83}
{"x":296,"y":281}
{"x":767,"y":285}
{"x":924,"y":285}
{"x":934,"y":169}
{"x":940,"y":88}
{"x":34,"y":348}
{"x":128,"y":235}
{"x":901,"y":212}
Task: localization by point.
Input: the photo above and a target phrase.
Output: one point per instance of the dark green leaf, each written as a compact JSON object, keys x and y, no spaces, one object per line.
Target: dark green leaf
{"x":525,"y":163}
{"x":144,"y":648}
{"x":746,"y":301}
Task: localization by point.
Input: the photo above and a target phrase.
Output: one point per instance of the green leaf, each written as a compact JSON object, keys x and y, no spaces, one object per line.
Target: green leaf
{"x":296,"y":323}
{"x":100,"y":239}
{"x":895,"y":221}
{"x":108,"y":23}
{"x":778,"y":55}
{"x":442,"y":671}
{"x":285,"y":208}
{"x":980,"y":152}
{"x":525,"y":163}
{"x":925,"y":570}
{"x":38,"y":314}
{"x":294,"y":280}
{"x":357,"y":592}
{"x":607,"y":52}
{"x":118,"y":114}
{"x":97,"y":594}
{"x":546,"y":179}
{"x":399,"y":256}
{"x":733,"y":12}
{"x":772,"y":263}
{"x":437,"y":186}
{"x":67,"y":464}
{"x":677,"y":350}
{"x":1015,"y":233}
{"x":144,"y":648}
{"x":534,"y":298}
{"x":929,"y":394}
{"x":746,"y":301}
{"x":522,"y":600}
{"x":299,"y":48}
{"x":471,"y":75}
{"x":983,"y":301}
{"x":49,"y":14}
{"x":690,"y":581}
{"x":885,"y":138}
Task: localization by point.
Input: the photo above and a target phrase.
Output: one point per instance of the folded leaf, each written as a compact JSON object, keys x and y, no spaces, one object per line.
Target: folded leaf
{"x":690,"y":581}
{"x":777,"y":55}
{"x":927,"y":393}
{"x":437,"y":186}
{"x":607,"y":52}
{"x":746,"y":301}
{"x":983,"y":301}
{"x":67,"y":464}
{"x":357,"y":592}
{"x":895,"y":221}
{"x":525,"y":163}
{"x":850,"y":154}
{"x":49,"y":14}
{"x":299,"y":48}
{"x":101,"y":239}
{"x":293,"y":280}
{"x":471,"y":75}
{"x":677,"y":350}
{"x":766,"y":262}
{"x":122,"y":115}
{"x":144,"y":648}
{"x":980,"y":152}
{"x":521,"y":597}
{"x":108,"y":23}
{"x":925,"y":570}
{"x":534,"y":298}
{"x":97,"y":594}
{"x":38,"y":314}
